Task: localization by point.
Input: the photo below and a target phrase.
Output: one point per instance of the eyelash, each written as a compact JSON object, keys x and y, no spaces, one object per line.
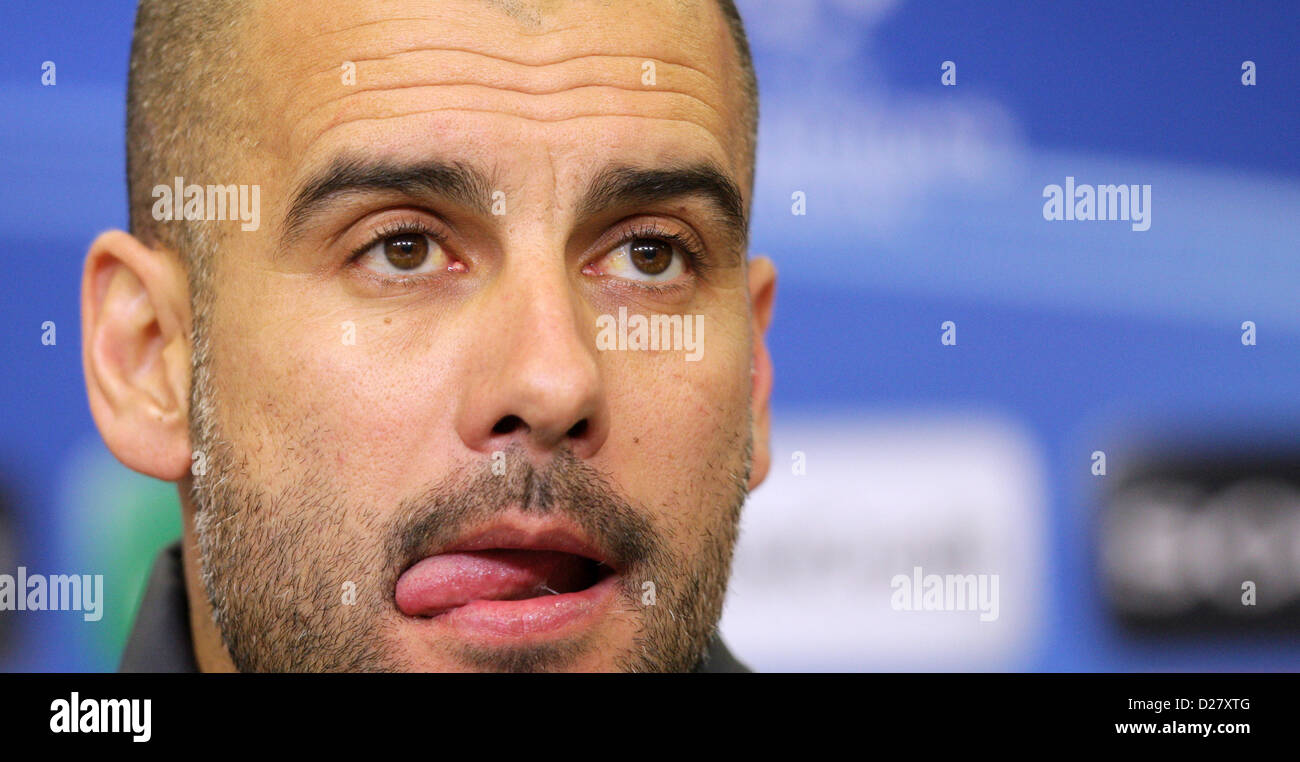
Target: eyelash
{"x":686,"y":243}
{"x":388,"y":230}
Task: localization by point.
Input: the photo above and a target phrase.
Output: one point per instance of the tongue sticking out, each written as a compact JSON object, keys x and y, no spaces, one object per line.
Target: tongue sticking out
{"x":443,"y":582}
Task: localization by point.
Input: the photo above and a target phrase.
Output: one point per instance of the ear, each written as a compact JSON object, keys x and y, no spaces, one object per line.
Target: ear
{"x":762,"y":292}
{"x":135,"y":349}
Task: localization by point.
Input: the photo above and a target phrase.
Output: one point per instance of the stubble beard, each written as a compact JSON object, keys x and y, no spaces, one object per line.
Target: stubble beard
{"x":276,"y":565}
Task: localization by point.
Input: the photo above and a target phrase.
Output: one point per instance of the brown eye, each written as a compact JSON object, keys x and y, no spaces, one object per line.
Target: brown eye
{"x":650,"y":256}
{"x":406,"y":251}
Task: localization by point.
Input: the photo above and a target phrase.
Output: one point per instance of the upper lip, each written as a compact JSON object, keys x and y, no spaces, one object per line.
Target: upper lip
{"x":550,"y":536}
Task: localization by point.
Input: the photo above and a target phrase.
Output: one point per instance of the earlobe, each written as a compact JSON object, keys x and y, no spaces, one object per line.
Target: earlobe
{"x":135,"y":353}
{"x":762,"y":294}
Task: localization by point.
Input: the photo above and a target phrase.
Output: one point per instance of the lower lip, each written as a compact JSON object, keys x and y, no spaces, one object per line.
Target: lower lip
{"x":550,"y":616}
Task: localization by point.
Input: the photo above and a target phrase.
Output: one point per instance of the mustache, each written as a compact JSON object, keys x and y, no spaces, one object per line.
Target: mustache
{"x":565,"y":486}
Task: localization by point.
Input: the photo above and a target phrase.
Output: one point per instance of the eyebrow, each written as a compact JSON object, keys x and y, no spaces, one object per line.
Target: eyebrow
{"x":614,"y":188}
{"x":620,"y":187}
{"x":347,"y":175}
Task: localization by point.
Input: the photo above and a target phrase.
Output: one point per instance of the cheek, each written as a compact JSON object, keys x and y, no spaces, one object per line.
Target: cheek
{"x":679,"y":427}
{"x":352,"y":395}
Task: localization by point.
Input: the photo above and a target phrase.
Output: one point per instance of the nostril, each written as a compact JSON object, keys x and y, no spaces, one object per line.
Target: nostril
{"x":578,"y":429}
{"x":508,"y":425}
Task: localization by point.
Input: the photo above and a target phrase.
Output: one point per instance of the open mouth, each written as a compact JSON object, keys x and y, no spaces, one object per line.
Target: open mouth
{"x":448,"y":581}
{"x":508,"y":583}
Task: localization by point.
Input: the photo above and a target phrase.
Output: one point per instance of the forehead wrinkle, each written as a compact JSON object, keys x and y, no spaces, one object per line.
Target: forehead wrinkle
{"x":536,"y":99}
{"x":602,"y":77}
{"x":571,"y":81}
{"x":557,"y":120}
{"x":657,"y":57}
{"x":616,"y":72}
{"x":568,"y":89}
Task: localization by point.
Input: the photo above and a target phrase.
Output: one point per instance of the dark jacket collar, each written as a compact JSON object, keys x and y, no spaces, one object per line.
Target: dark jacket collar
{"x":160,"y":640}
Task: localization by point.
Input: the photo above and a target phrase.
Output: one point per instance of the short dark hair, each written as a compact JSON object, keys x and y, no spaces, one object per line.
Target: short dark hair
{"x":184,"y":72}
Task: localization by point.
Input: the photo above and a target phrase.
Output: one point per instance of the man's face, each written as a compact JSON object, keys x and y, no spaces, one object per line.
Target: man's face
{"x":421,"y":456}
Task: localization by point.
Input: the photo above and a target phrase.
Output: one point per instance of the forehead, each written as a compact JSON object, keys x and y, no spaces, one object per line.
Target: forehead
{"x":584,"y":82}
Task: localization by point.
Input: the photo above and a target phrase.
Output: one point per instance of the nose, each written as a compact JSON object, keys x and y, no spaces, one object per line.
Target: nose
{"x":533,"y":379}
